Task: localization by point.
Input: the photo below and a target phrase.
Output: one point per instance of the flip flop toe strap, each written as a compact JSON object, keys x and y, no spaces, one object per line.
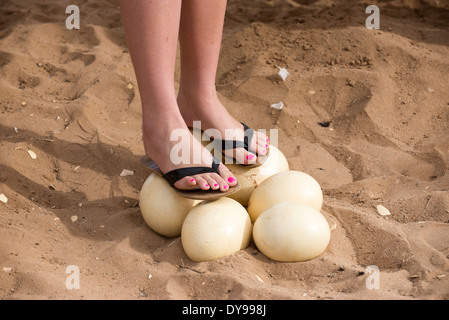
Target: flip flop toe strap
{"x":233,"y":144}
{"x":173,"y":176}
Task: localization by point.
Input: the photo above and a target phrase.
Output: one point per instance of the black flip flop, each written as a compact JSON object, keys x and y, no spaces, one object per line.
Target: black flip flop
{"x":173,"y":176}
{"x":235,"y":144}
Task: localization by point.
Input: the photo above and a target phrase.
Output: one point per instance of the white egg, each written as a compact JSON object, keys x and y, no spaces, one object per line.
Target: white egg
{"x":162,"y":208}
{"x":215,"y":229}
{"x":251,"y":177}
{"x":291,"y":232}
{"x":292,"y":186}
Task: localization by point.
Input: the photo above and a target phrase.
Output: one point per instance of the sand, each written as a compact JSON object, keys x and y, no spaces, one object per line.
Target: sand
{"x":70,"y":96}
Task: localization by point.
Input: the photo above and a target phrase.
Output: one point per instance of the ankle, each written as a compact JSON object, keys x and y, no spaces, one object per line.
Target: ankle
{"x":157,"y":120}
{"x":196,"y":95}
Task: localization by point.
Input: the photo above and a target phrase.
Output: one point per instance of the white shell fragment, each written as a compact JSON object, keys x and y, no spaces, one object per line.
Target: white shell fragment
{"x":283,"y":73}
{"x":3,"y":198}
{"x":259,"y":278}
{"x":126,"y":172}
{"x":74,"y":218}
{"x":383,"y":211}
{"x":32,"y":154}
{"x":278,"y":106}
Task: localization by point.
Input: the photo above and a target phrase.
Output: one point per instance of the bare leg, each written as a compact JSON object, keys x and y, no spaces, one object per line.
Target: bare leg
{"x":200,"y":38}
{"x":151,"y":29}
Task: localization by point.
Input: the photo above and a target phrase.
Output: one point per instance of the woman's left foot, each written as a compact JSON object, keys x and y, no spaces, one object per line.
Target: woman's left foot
{"x":208,"y":109}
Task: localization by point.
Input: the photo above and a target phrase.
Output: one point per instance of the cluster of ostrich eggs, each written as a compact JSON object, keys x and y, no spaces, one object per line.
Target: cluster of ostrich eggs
{"x":279,"y":209}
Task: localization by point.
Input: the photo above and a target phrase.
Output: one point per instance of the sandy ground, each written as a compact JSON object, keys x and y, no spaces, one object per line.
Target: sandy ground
{"x":71,"y":97}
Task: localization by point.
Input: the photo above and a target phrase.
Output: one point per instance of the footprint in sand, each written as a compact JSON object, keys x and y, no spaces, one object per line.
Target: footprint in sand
{"x":436,"y":238}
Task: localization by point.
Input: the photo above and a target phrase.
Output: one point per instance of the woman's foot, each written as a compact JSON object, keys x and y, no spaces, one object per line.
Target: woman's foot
{"x":207,"y":108}
{"x":157,"y":131}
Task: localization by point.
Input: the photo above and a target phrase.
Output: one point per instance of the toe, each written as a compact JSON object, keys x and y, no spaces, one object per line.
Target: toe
{"x":212,"y":182}
{"x":229,"y":179}
{"x":262,"y":144}
{"x":244,"y":157}
{"x":223,"y":185}
{"x":186,"y":183}
{"x":202,"y":182}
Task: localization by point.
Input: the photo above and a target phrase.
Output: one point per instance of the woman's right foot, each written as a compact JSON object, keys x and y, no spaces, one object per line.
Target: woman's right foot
{"x":157,"y":131}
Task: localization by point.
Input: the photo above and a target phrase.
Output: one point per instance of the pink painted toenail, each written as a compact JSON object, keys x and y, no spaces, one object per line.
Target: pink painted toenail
{"x":216,"y":185}
{"x":250,"y":157}
{"x":231,"y":179}
{"x":207,"y":186}
{"x":192,"y":180}
{"x":225,"y":187}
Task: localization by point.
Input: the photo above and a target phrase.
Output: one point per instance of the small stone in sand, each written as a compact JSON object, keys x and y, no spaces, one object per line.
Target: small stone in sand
{"x":74,"y":218}
{"x":383,"y":211}
{"x":126,"y":173}
{"x":3,"y":198}
{"x":283,"y":73}
{"x":32,"y":154}
{"x":278,"y":106}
